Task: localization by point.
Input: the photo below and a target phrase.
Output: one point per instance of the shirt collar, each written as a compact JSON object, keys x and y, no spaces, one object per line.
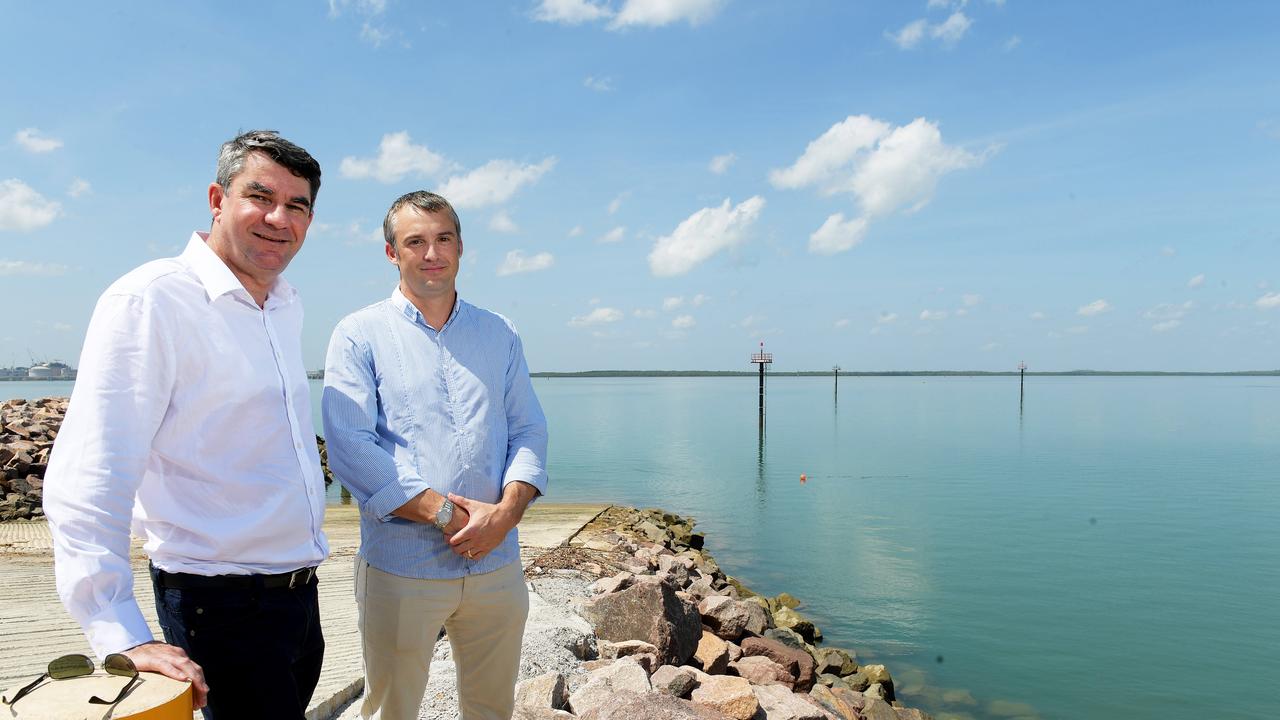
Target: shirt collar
{"x":217,"y":278}
{"x":411,"y":311}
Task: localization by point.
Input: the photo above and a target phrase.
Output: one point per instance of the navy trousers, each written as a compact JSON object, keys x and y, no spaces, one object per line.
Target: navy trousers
{"x":261,"y":649}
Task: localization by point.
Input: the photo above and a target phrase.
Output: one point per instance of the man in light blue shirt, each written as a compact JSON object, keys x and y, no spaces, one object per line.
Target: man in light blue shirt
{"x":432,"y":424}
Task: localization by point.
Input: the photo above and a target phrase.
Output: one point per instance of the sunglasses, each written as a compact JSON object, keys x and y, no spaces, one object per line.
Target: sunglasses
{"x":70,"y":666}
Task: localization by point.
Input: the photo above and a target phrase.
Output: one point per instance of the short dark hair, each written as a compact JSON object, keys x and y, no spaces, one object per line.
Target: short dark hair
{"x":425,"y":201}
{"x":268,"y":142}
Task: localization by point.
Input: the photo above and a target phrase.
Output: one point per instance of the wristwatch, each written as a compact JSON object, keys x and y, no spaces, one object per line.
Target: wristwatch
{"x":444,"y":515}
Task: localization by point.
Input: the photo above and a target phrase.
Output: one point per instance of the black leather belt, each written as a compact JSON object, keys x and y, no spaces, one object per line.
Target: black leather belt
{"x":186,"y":581}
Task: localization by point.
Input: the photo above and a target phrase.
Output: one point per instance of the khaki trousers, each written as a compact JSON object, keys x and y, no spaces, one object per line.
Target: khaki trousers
{"x":400,"y":619}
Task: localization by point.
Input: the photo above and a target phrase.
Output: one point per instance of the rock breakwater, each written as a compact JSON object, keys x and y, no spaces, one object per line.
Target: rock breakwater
{"x":27,"y":431}
{"x":675,"y":637}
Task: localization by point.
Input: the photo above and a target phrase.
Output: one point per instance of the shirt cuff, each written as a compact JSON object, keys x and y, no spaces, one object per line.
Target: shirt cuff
{"x":118,"y":627}
{"x":395,"y":494}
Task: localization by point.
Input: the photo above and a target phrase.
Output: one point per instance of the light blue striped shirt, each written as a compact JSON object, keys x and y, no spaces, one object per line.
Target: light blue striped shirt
{"x":407,"y":408}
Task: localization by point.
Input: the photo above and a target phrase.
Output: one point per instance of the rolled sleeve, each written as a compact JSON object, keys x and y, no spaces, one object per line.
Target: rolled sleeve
{"x":526,"y":426}
{"x":358,"y":455}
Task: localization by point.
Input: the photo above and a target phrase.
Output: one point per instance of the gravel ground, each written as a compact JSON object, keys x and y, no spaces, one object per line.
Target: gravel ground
{"x":551,"y":630}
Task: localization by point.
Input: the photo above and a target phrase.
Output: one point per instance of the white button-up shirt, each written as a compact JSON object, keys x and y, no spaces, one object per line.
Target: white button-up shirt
{"x":191,"y":414}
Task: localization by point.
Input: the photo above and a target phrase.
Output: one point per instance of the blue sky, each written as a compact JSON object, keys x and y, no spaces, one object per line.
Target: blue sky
{"x":663,"y":184}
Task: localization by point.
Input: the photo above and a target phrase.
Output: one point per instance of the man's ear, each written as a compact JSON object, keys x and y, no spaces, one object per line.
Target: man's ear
{"x":391,"y":253}
{"x":216,"y":197}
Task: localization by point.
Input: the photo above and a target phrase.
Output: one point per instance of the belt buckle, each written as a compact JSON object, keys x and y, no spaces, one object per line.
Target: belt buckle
{"x":306,"y":573}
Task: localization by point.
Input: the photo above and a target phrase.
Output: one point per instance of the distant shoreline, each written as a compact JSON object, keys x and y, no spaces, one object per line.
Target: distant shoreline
{"x":319,"y":374}
{"x":902,"y":373}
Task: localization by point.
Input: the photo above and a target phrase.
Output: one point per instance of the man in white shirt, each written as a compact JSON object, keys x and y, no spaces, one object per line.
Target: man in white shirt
{"x":191,"y":421}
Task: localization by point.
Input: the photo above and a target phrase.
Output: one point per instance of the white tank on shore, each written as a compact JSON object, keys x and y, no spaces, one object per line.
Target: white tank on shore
{"x":51,"y":371}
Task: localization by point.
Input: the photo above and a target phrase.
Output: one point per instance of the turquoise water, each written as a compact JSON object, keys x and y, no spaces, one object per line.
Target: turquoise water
{"x":1113,"y":551}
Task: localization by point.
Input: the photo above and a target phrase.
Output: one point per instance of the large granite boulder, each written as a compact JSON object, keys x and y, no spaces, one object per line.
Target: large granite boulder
{"x":836,"y":661}
{"x":731,"y":619}
{"x":785,"y":617}
{"x":760,"y":670}
{"x":712,"y":654}
{"x":779,"y":703}
{"x":674,"y":681}
{"x":653,"y":706}
{"x":869,"y":675}
{"x":605,"y":685}
{"x":727,"y":694}
{"x":649,"y":610}
{"x":544,"y":692}
{"x":797,"y":662}
{"x":841,"y":702}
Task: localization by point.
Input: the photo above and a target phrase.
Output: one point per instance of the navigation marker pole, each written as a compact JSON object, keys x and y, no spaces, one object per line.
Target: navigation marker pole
{"x":836,"y":371}
{"x":762,"y":359}
{"x":1022,"y":379}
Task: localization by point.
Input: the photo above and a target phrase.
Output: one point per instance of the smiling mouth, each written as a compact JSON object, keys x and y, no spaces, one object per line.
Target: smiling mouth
{"x":282,"y":241}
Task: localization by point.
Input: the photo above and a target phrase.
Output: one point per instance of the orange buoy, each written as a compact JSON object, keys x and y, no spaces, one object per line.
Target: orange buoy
{"x":803,"y":479}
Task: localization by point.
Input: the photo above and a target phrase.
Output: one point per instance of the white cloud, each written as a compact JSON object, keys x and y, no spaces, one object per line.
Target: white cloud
{"x":1078,"y":329}
{"x":1196,"y":281}
{"x":886,"y":169}
{"x":991,"y":346}
{"x":575,"y":231}
{"x":646,"y":313}
{"x":616,"y":203}
{"x":1169,"y":311}
{"x":948,"y":32}
{"x":79,"y":187}
{"x":1166,"y":326}
{"x":842,"y":322}
{"x":1097,"y":307}
{"x":570,"y":12}
{"x":720,"y":163}
{"x":32,"y":140}
{"x":1268,"y":301}
{"x":952,"y":29}
{"x":671,"y":303}
{"x":515,"y":262}
{"x":657,"y":13}
{"x":493,"y":183}
{"x":22,"y":267}
{"x":1168,"y":251}
{"x":373,"y":35}
{"x":599,"y":84}
{"x":910,"y":35}
{"x":831,"y":156}
{"x":359,"y":236}
{"x":1037,"y":315}
{"x":683,"y":322}
{"x":613,"y":236}
{"x":904,"y":169}
{"x":933,"y":314}
{"x":837,"y":235}
{"x":599,"y":316}
{"x":22,"y":208}
{"x":886,"y":318}
{"x":1012,"y":43}
{"x":502,"y":222}
{"x":366,"y":7}
{"x":961,"y":312}
{"x":971,"y":300}
{"x":397,"y":157}
{"x":702,"y":235}
{"x":699,"y":300}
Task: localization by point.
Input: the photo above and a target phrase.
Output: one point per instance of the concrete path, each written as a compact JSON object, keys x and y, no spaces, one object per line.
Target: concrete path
{"x":35,"y":628}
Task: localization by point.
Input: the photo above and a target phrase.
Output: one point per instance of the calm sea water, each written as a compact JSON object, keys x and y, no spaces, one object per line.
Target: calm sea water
{"x":1111,"y":551}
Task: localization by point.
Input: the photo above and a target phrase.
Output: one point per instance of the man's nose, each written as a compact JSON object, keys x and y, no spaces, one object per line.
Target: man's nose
{"x":277,"y":216}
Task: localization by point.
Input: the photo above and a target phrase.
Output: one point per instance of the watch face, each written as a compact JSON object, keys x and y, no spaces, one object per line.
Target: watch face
{"x":445,"y":515}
